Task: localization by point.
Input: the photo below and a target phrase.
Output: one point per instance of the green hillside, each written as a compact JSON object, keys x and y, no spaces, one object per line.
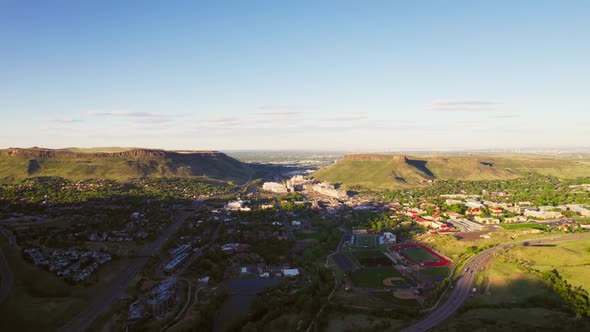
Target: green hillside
{"x":17,"y":164}
{"x":394,"y":171}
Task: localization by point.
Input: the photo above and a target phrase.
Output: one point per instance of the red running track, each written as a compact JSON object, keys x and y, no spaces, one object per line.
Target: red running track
{"x":442,"y":261}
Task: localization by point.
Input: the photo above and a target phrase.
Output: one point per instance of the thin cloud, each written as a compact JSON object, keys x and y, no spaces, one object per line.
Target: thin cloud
{"x":283,"y":107}
{"x":504,"y":116}
{"x":346,"y":117}
{"x":280,"y":113}
{"x":63,"y":120}
{"x":123,"y":113}
{"x":464,"y":105}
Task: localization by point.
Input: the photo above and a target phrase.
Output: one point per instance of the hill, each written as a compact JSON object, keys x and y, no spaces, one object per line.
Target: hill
{"x":377,"y":171}
{"x":119,"y":164}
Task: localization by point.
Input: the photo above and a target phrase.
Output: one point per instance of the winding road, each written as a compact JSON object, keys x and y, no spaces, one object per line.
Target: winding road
{"x":464,"y":284}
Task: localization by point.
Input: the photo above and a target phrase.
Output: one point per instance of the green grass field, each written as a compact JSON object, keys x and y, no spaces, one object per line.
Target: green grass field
{"x":371,"y":257}
{"x":525,"y":226}
{"x":436,"y":271}
{"x":365,"y":241}
{"x":389,"y":298}
{"x":420,"y":254}
{"x":373,"y":277}
{"x":571,"y":259}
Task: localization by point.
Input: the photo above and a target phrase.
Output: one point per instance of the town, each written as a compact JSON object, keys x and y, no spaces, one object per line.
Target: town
{"x":276,"y":240}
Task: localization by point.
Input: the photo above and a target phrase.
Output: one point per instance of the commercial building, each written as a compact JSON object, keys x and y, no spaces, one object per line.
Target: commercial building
{"x":390,"y":237}
{"x":275,"y":187}
{"x":238,"y":205}
{"x":297,"y":183}
{"x":180,"y":249}
{"x":329,"y":190}
{"x":163,"y":297}
{"x":542,"y":214}
{"x":159,"y":301}
{"x":291,"y":273}
{"x":173,"y":265}
{"x":232,"y":248}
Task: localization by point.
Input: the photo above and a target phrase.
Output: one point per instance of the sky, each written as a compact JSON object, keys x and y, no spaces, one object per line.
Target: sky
{"x":247,"y":75}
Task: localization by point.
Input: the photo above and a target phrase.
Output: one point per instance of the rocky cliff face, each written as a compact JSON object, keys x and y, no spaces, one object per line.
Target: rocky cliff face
{"x":375,"y":157}
{"x":134,"y":153}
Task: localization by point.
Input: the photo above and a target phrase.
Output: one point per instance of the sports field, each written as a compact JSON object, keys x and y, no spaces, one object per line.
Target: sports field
{"x":371,"y":257}
{"x":421,"y":255}
{"x":373,"y":278}
{"x":365,"y":241}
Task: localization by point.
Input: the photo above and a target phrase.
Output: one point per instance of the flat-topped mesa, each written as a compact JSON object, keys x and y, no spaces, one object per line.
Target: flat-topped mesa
{"x":132,"y":153}
{"x":376,"y":157}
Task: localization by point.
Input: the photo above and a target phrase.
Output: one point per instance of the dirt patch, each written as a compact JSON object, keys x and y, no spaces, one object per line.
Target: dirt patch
{"x":471,"y":236}
{"x":404,"y":294}
{"x":391,"y":281}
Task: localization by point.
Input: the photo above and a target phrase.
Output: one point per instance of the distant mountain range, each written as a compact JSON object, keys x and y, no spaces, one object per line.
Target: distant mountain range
{"x":119,"y":164}
{"x":379,"y":171}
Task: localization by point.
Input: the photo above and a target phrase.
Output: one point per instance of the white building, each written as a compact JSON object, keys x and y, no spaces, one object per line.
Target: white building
{"x":329,"y":190}
{"x":579,"y":209}
{"x":238,"y":205}
{"x":542,"y":214}
{"x":275,"y":187}
{"x":292,"y":273}
{"x":390,"y":237}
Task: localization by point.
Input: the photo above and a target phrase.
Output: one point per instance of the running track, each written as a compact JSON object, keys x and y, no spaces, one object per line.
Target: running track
{"x":442,"y":261}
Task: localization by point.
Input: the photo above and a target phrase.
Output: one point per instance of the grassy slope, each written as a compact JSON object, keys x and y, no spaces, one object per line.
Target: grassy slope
{"x":119,"y":168}
{"x":510,"y":302}
{"x":381,"y":172}
{"x":571,"y":259}
{"x":371,"y":173}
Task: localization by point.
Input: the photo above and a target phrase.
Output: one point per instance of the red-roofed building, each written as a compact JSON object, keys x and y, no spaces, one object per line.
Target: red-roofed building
{"x":496,"y":210}
{"x":473,"y":211}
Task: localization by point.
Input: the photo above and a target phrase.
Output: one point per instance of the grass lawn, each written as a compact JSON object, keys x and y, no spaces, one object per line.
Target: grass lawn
{"x":371,"y":258}
{"x":571,"y":259}
{"x":420,"y":254}
{"x":389,"y":298}
{"x":453,"y":247}
{"x":436,"y":271}
{"x":373,"y":278}
{"x":365,"y":241}
{"x":525,"y":226}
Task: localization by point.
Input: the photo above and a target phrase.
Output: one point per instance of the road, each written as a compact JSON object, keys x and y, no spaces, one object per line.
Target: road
{"x":103,"y":301}
{"x":464,"y":284}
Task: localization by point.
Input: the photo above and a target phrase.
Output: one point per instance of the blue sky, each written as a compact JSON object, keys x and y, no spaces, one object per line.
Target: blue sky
{"x":353,"y":75}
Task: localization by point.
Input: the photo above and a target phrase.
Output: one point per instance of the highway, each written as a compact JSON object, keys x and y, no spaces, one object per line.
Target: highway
{"x":103,"y":301}
{"x":464,"y":284}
